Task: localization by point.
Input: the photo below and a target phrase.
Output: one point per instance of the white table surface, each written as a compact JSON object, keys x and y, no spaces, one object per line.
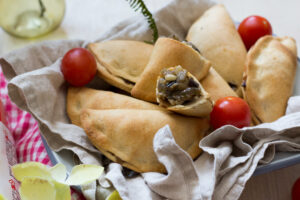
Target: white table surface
{"x":79,"y":24}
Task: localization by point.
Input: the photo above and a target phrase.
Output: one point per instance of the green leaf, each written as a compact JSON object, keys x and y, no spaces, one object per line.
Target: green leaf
{"x":59,"y":172}
{"x":140,"y":5}
{"x":84,"y":174}
{"x":31,"y":169}
{"x":37,"y":189}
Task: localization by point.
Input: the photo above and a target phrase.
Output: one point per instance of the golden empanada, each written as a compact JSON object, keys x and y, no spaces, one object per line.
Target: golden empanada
{"x":167,"y":53}
{"x":121,"y":62}
{"x":215,"y":35}
{"x":79,"y":99}
{"x":216,"y":86}
{"x":126,"y":135}
{"x":269,"y":78}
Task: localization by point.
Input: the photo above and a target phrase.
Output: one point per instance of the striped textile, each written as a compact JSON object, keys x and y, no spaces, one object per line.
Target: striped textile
{"x":25,"y":131}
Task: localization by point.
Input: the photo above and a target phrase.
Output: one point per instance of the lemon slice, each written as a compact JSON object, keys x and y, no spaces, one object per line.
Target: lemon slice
{"x":59,"y":172}
{"x":37,"y":189}
{"x":62,"y":191}
{"x":32,"y":170}
{"x":84,"y":174}
{"x":2,"y":197}
{"x":114,"y":196}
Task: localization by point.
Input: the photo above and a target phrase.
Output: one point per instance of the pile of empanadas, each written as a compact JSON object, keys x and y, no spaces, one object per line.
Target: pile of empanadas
{"x":176,"y":83}
{"x":123,"y":127}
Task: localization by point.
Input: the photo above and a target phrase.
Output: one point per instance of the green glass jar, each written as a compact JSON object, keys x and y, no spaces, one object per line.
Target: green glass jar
{"x":31,"y":18}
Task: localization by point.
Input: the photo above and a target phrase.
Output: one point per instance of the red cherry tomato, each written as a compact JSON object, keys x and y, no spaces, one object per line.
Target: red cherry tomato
{"x":78,"y":66}
{"x":252,"y":28}
{"x":230,"y":111}
{"x":296,"y":190}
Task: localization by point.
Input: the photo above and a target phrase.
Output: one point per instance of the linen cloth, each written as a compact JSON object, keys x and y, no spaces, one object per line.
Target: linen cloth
{"x":230,"y":155}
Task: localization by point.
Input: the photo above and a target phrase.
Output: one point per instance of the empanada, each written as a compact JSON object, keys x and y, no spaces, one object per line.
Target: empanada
{"x":126,"y":136}
{"x":166,"y":53}
{"x":269,"y":78}
{"x":121,"y":62}
{"x":215,"y":35}
{"x":216,"y":86}
{"x":79,"y":99}
{"x":179,"y":91}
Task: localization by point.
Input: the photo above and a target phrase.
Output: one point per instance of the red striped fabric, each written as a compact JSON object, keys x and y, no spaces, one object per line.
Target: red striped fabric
{"x":25,"y":131}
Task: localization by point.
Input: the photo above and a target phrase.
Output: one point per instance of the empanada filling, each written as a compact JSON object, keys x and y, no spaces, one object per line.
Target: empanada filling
{"x":190,"y":44}
{"x":176,"y":87}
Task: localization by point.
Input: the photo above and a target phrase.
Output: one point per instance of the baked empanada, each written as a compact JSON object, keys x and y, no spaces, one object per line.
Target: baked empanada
{"x":215,"y":35}
{"x":79,"y":99}
{"x":269,"y":78}
{"x":179,"y":91}
{"x":166,"y":53}
{"x":216,"y":86}
{"x":121,"y":62}
{"x":126,"y":135}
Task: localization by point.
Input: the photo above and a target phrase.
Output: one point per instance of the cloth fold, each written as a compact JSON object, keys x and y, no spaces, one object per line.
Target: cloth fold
{"x":229,"y":157}
{"x":175,"y":159}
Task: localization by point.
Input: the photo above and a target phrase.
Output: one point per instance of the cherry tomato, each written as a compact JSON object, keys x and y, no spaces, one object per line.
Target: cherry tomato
{"x":230,"y":111}
{"x":252,"y":28}
{"x":296,"y":190}
{"x":78,"y":66}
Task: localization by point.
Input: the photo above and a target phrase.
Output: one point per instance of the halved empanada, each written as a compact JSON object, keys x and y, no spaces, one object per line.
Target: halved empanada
{"x":269,"y":78}
{"x":179,"y":91}
{"x":121,"y":62}
{"x":79,"y":99}
{"x":166,"y":53}
{"x":126,"y":136}
{"x":215,"y":35}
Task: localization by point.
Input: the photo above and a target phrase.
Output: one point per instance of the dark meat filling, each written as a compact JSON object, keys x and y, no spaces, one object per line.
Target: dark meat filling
{"x":176,"y":87}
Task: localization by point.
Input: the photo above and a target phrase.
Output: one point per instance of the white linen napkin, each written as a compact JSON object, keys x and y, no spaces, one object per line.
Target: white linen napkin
{"x":229,"y":157}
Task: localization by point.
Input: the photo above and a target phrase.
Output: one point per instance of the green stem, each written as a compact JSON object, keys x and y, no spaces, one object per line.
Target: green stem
{"x":140,"y":5}
{"x":43,"y":8}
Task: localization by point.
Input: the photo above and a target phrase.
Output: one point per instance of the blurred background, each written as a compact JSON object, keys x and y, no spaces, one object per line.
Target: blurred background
{"x":79,"y":20}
